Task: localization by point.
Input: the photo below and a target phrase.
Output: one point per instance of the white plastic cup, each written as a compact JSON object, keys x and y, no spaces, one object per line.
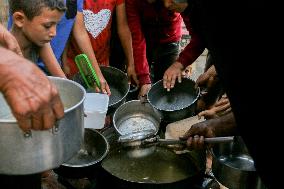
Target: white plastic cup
{"x":95,"y":108}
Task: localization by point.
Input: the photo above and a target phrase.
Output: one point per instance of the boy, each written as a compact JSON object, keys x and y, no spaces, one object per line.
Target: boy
{"x":34,"y":25}
{"x":69,"y":24}
{"x":72,"y":24}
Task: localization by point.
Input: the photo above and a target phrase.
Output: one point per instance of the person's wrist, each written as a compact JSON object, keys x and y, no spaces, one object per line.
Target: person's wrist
{"x":178,"y":65}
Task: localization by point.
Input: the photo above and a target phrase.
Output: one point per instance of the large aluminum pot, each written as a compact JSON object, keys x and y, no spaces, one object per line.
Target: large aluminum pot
{"x":43,"y":150}
{"x":234,"y":167}
{"x":119,"y":87}
{"x":162,"y":169}
{"x":163,"y":166}
{"x":178,"y":103}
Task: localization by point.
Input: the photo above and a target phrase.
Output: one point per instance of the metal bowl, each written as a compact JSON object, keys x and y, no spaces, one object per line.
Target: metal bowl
{"x":176,"y":104}
{"x":234,"y":167}
{"x":134,"y":116}
{"x":94,"y":149}
{"x":119,"y":87}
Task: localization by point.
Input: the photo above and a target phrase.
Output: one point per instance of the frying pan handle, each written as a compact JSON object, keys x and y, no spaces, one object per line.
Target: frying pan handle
{"x":212,"y":140}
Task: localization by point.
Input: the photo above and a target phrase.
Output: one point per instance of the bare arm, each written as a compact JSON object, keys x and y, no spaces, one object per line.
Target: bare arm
{"x":9,"y":41}
{"x":33,"y":99}
{"x":82,"y":38}
{"x":126,"y":41}
{"x":220,"y":126}
{"x":50,"y":61}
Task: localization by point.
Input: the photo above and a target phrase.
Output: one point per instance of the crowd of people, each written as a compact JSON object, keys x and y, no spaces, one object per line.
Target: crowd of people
{"x":42,"y":33}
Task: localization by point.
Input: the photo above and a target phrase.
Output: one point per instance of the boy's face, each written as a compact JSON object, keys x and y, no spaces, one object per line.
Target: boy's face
{"x":42,"y":28}
{"x":175,"y":5}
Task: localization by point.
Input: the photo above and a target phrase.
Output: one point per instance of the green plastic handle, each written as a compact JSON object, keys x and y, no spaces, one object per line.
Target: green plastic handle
{"x":86,"y":70}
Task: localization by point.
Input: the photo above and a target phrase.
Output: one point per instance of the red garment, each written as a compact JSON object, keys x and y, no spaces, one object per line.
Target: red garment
{"x":98,"y":18}
{"x":154,"y":23}
{"x":194,"y":48}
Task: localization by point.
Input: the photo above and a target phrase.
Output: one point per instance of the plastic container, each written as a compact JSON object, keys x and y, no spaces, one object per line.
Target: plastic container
{"x":95,"y":108}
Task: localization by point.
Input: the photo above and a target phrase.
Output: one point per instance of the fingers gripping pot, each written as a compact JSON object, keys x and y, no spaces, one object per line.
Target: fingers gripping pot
{"x":176,"y":104}
{"x":38,"y":151}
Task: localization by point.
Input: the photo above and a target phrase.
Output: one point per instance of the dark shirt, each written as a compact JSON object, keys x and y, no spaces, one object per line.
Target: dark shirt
{"x":233,"y":31}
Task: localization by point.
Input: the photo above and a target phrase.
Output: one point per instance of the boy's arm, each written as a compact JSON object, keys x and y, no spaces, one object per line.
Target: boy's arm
{"x":50,"y":61}
{"x":81,"y":36}
{"x":126,"y":41}
{"x":139,"y":45}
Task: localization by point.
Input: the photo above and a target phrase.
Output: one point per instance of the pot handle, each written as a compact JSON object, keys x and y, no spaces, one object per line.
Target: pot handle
{"x":54,"y":130}
{"x":144,"y":99}
{"x":133,"y":88}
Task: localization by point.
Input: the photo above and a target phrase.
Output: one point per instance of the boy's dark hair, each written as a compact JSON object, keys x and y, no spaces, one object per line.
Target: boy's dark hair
{"x":32,"y":8}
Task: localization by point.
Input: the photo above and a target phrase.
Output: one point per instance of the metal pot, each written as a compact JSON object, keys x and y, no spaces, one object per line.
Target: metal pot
{"x":163,"y":166}
{"x":119,"y":87}
{"x":162,"y":169}
{"x":43,"y":150}
{"x":233,"y":166}
{"x":86,"y":161}
{"x":176,"y":104}
{"x":134,"y":116}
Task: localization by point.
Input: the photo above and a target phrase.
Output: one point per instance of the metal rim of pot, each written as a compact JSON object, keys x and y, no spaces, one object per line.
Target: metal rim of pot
{"x":65,"y":110}
{"x":171,"y":115}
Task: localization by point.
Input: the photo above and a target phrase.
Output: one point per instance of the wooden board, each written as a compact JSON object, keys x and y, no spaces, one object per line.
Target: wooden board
{"x":177,"y":129}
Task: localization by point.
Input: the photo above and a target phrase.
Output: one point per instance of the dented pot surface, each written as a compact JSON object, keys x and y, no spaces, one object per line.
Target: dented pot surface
{"x":38,"y":151}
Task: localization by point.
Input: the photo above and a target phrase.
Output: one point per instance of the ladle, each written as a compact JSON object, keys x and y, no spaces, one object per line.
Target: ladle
{"x":144,"y":138}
